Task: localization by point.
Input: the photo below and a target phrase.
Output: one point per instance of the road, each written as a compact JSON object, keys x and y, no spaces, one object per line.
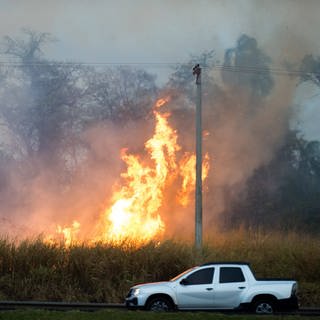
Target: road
{"x":13,"y":305}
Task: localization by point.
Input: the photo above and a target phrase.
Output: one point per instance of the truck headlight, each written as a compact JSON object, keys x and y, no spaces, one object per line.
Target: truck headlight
{"x":136,"y":292}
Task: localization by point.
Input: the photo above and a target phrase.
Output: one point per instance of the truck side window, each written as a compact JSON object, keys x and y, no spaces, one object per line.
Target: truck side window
{"x":231,"y":274}
{"x":203,"y":276}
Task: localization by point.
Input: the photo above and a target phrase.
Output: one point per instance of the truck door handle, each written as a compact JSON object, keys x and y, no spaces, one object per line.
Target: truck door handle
{"x":209,"y":289}
{"x":242,"y":287}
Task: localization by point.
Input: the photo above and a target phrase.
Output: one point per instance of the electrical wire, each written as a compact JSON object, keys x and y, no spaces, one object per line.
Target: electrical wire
{"x":239,"y":69}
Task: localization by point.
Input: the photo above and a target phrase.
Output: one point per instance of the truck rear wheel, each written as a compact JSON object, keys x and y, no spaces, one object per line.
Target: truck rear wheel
{"x":263,"y":306}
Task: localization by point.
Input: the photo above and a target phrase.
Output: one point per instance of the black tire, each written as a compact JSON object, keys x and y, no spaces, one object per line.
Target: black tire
{"x":263,"y":306}
{"x":159,"y":304}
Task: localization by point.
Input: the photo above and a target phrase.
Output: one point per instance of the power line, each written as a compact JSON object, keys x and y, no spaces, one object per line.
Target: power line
{"x":238,"y":69}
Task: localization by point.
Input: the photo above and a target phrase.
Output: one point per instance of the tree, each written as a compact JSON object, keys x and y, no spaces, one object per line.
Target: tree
{"x":247,"y":66}
{"x":285,"y":193}
{"x":40,"y":92}
{"x":310,"y":68}
{"x":121,"y":93}
{"x":46,"y":105}
{"x":27,"y":48}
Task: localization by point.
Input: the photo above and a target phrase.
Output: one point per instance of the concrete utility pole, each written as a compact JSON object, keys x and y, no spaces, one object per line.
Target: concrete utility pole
{"x":198,"y":195}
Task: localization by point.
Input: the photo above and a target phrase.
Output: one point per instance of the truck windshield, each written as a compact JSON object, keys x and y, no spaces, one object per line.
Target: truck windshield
{"x":181,"y":274}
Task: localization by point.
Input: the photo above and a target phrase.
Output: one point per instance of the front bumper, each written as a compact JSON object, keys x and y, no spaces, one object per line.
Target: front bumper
{"x":131,"y":302}
{"x":136,"y":301}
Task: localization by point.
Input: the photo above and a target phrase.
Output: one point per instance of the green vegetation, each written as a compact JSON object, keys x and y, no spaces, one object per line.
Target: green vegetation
{"x":123,"y":315}
{"x":33,"y":270}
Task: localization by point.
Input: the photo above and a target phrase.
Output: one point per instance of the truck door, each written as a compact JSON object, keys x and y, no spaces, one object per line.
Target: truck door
{"x":230,"y":287}
{"x":196,"y":290}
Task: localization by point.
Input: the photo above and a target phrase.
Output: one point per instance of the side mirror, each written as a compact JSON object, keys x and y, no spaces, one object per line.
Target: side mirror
{"x":184,"y":282}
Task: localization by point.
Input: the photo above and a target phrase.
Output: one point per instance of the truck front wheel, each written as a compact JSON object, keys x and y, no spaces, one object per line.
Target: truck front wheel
{"x":159,"y":304}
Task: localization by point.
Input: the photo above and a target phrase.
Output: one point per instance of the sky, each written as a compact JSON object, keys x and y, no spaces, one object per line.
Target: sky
{"x":162,"y":30}
{"x":169,"y":31}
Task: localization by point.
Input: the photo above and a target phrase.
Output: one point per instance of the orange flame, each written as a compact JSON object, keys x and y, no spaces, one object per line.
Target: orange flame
{"x":135,"y":208}
{"x":187,"y":171}
{"x":66,"y":235}
{"x":134,"y":213}
{"x":162,"y":101}
{"x":205,"y":133}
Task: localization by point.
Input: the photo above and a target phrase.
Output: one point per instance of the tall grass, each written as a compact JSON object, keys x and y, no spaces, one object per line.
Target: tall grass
{"x":34,"y":270}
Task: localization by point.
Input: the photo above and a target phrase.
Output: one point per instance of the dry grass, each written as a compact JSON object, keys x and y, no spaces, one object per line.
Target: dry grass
{"x":33,"y":270}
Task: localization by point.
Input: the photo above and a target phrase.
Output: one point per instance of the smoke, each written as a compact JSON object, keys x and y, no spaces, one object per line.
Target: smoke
{"x":164,"y":31}
{"x":38,"y":195}
{"x":244,"y":133}
{"x":242,"y":140}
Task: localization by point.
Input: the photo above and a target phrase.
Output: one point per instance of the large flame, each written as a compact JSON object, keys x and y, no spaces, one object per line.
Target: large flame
{"x":134,"y":213}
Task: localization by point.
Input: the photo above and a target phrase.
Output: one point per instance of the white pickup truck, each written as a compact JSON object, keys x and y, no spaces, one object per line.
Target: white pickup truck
{"x":215,"y":286}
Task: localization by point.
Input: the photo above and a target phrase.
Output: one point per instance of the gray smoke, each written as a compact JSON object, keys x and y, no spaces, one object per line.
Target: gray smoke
{"x":240,"y":141}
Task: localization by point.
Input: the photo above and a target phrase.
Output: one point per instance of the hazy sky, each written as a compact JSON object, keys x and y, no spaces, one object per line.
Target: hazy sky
{"x":160,"y":31}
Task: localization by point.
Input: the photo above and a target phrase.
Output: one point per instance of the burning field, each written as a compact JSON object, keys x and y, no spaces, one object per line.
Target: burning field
{"x":99,"y":159}
{"x":161,"y":172}
{"x":97,"y":151}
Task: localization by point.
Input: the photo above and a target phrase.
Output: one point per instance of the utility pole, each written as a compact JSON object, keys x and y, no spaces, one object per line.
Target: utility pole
{"x":198,"y":191}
